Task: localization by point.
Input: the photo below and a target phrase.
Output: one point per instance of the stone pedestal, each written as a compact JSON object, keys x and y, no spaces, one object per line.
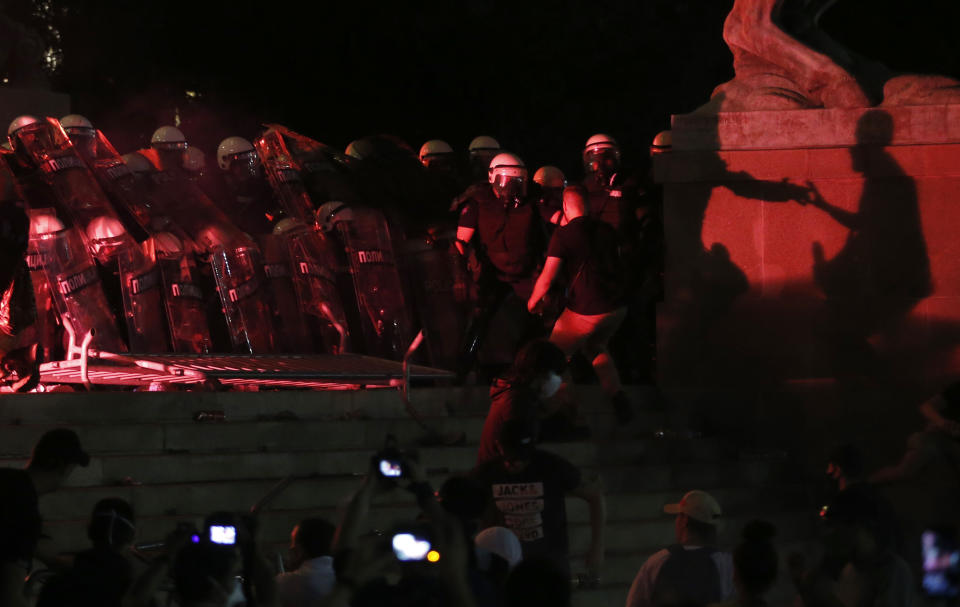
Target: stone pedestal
{"x":837,"y":317}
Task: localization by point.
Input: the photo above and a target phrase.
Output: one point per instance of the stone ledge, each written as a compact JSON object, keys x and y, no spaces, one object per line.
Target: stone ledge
{"x":791,"y":129}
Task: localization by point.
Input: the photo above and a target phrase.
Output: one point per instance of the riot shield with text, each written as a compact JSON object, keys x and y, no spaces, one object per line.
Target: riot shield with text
{"x":78,"y":195}
{"x":47,"y":332}
{"x":238,"y":271}
{"x":314,"y":277}
{"x":292,"y":333}
{"x":385,"y":323}
{"x":133,"y":200}
{"x":143,"y":308}
{"x":75,"y":287}
{"x":433,"y":271}
{"x":283,"y":173}
{"x":235,"y":260}
{"x":323,"y":169}
{"x":182,"y":296}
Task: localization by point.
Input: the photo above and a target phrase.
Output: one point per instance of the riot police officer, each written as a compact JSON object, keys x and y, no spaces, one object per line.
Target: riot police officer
{"x":508,"y":239}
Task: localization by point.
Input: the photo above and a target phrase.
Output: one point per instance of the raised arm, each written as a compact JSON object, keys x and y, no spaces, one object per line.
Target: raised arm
{"x":549,"y":273}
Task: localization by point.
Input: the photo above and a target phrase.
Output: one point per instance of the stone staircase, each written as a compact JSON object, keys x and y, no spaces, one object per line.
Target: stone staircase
{"x":147,"y":449}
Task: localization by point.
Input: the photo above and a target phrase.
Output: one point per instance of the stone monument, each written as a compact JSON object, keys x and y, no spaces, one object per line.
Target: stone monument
{"x":812,"y":272}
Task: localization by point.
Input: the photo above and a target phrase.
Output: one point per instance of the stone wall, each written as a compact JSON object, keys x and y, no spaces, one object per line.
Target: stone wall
{"x":833,"y":315}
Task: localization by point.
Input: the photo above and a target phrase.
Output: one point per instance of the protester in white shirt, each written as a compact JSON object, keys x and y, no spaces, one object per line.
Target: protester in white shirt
{"x":313,"y":577}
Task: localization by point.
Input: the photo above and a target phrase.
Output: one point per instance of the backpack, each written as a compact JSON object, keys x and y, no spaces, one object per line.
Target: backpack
{"x":687,"y":577}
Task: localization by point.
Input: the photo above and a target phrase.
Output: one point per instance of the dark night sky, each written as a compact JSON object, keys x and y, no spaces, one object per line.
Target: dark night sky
{"x":541,"y":77}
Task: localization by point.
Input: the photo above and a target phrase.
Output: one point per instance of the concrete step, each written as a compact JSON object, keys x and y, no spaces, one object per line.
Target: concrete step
{"x":626,"y":539}
{"x":314,"y":435}
{"x":330,"y":493}
{"x":686,"y":476}
{"x":113,"y":407}
{"x":620,"y":465}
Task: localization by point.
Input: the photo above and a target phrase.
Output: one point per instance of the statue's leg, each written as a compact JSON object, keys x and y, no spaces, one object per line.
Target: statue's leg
{"x":751,"y":30}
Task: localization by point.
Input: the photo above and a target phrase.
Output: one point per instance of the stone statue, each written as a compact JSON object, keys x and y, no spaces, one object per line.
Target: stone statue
{"x":783,"y":60}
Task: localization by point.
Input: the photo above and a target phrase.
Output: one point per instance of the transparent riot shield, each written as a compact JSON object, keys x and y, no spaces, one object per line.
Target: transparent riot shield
{"x":289,"y":322}
{"x":283,"y":172}
{"x":47,"y":322}
{"x":385,"y":320}
{"x":438,"y":283}
{"x":315,"y":279}
{"x":133,"y":201}
{"x":182,"y":297}
{"x":75,"y":288}
{"x":238,"y":270}
{"x":324,"y":170}
{"x":46,"y":329}
{"x":78,"y":195}
{"x":235,"y":260}
{"x":142,"y":301}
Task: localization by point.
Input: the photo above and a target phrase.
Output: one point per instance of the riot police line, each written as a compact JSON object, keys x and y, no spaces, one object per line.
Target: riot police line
{"x":294,"y":247}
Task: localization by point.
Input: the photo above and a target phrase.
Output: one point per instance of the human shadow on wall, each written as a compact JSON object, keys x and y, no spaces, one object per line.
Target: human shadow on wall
{"x":882,"y":270}
{"x":703,"y":282}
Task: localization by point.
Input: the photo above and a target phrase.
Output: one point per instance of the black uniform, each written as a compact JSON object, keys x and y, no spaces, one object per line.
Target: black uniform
{"x":508,"y":247}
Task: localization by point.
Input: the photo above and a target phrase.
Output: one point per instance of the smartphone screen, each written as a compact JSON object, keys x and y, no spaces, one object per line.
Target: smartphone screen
{"x":409,"y":547}
{"x":223,"y":534}
{"x":390,"y":468}
{"x":941,"y":564}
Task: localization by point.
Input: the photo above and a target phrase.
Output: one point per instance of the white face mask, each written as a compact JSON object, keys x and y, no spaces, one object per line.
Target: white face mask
{"x":236,"y":598}
{"x":551,"y":386}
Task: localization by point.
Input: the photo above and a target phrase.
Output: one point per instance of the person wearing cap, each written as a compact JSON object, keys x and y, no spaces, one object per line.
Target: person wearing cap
{"x":692,"y":571}
{"x":527,"y":488}
{"x":54,"y":457}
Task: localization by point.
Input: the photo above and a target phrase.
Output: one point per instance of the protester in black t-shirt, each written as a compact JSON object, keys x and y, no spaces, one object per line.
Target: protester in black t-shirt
{"x":54,"y":457}
{"x":941,"y":436}
{"x":585,"y":249}
{"x":527,"y":491}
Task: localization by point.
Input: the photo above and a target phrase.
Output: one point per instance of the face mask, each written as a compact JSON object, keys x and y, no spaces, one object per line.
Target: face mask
{"x":551,"y":386}
{"x":236,"y":598}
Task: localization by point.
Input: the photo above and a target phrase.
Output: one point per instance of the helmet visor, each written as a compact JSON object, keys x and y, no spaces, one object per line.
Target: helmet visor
{"x":510,"y":189}
{"x":169,"y":146}
{"x":244,"y":164}
{"x":605,"y":160}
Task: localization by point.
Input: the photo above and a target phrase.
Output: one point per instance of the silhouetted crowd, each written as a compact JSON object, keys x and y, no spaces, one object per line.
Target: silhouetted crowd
{"x":496,"y":535}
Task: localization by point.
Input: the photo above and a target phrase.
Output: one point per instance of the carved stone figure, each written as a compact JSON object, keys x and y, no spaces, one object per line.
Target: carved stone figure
{"x":783,"y":60}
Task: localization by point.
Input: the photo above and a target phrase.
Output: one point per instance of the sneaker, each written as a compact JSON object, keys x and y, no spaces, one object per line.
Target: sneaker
{"x":622,"y":407}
